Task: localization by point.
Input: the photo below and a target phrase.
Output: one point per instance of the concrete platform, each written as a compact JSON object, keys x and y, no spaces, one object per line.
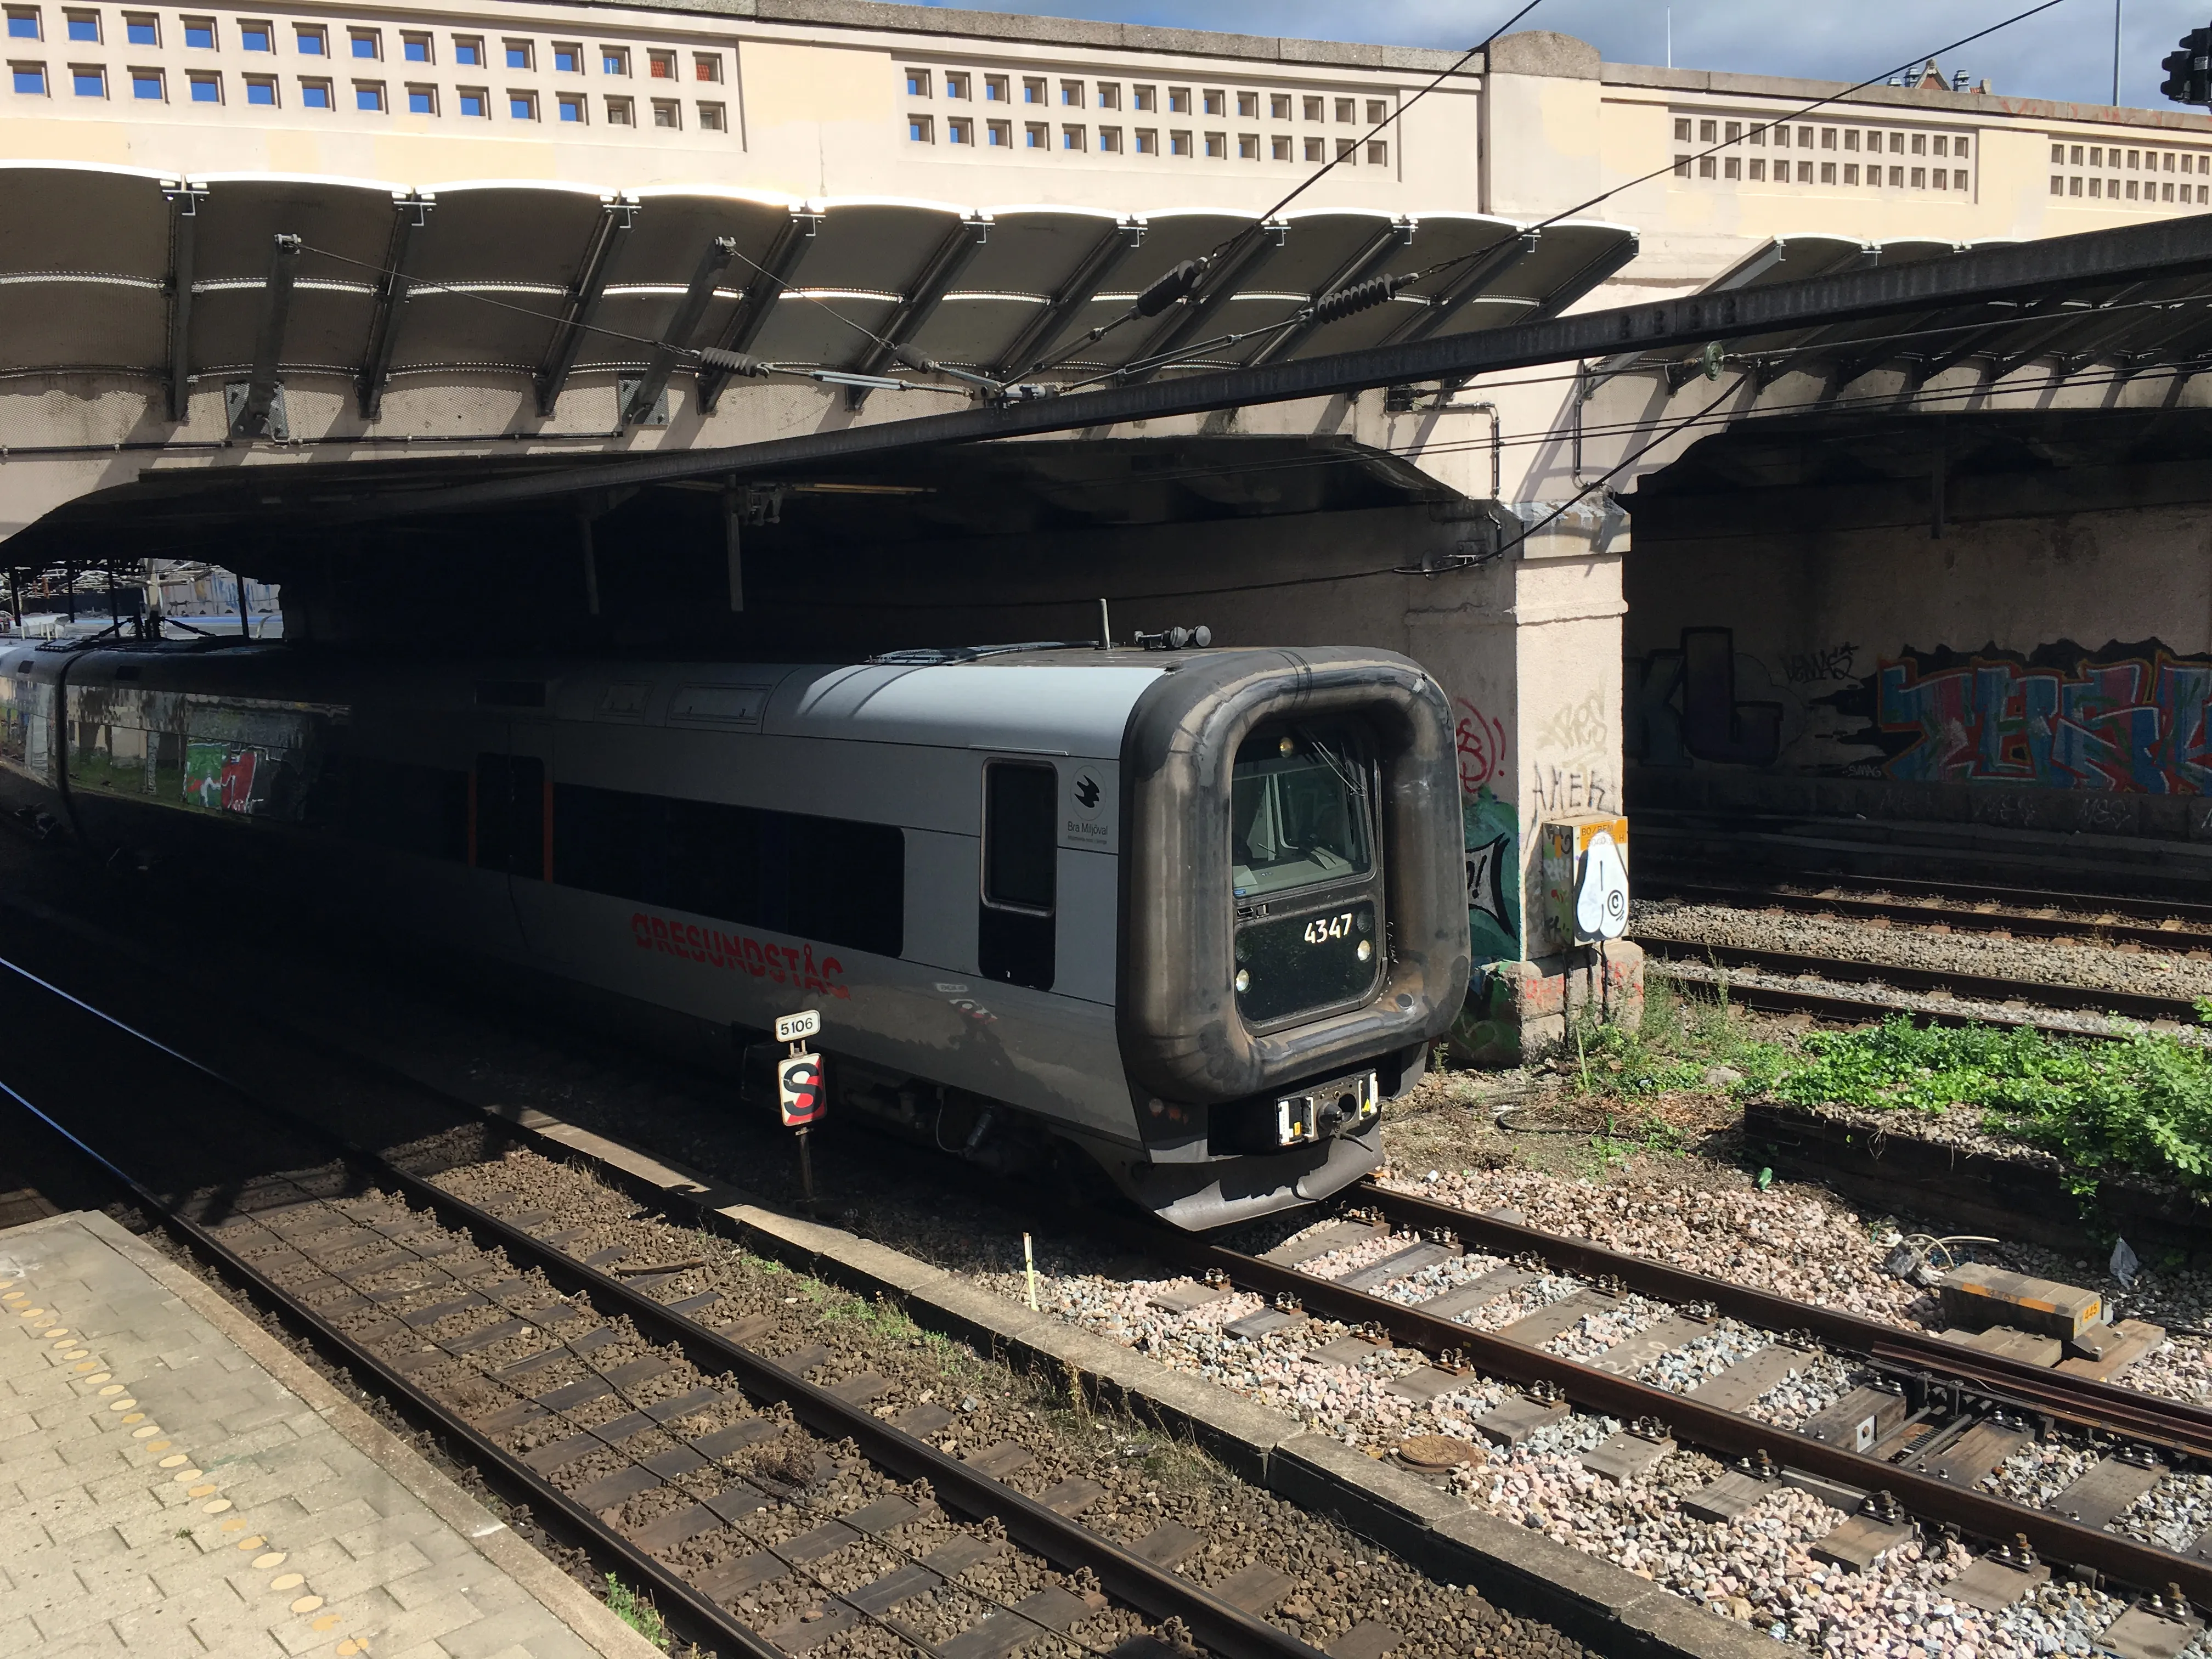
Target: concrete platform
{"x":173,"y":1482}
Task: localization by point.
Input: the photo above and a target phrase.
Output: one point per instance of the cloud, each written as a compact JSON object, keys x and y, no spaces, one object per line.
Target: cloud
{"x":2065,"y":53}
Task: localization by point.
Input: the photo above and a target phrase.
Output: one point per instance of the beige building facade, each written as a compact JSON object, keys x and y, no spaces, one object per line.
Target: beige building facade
{"x":538,"y":174}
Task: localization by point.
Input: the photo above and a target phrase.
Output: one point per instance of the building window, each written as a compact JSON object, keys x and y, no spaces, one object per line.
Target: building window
{"x":1851,"y":139}
{"x":955,"y":82}
{"x":921,"y":130}
{"x":1179,"y":143}
{"x":959,"y":131}
{"x":2059,"y":156}
{"x":662,"y":65}
{"x":1313,"y":108}
{"x":1145,"y":98}
{"x":1109,"y":94}
{"x":422,"y":100}
{"x":1378,"y":111}
{"x":1681,"y":166}
{"x":917,"y":84}
{"x":146,"y":83}
{"x":475,"y":101}
{"x":571,"y":107}
{"x":1248,"y":106}
{"x":315,"y":95}
{"x":2203,"y":192}
{"x":207,"y":89}
{"x":1958,"y":146}
{"x":2058,"y":185}
{"x":618,"y":113}
{"x":1071,"y":94}
{"x":999,"y":135}
{"x":88,"y":80}
{"x":1036,"y":135}
{"x":2074,"y":185}
{"x":1731,"y":169}
{"x":1178,"y":101}
{"x":2134,"y":158}
{"x":1920,"y":144}
{"x":2096,"y":156}
{"x":369,"y":95}
{"x":1073,"y":138}
{"x":23,"y":23}
{"x":1109,"y":141}
{"x":1148,"y":142}
{"x":1734,"y":131}
{"x":1316,"y":150}
{"x":2132,"y":190}
{"x":1216,"y":101}
{"x":142,"y":30}
{"x":1704,"y":167}
{"x":1919,"y":178}
{"x":521,"y":105}
{"x":1278,"y":149}
{"x":708,"y":66}
{"x":416,"y":49}
{"x":1681,"y":130}
{"x":668,"y":113}
{"x":1033,"y":89}
{"x":1942,"y":145}
{"x":997,"y":89}
{"x":1248,"y":146}
{"x":520,"y":54}
{"x":1827,"y":173}
{"x":261,"y":89}
{"x":309,"y":40}
{"x":1850,"y":173}
{"x":367,"y":43}
{"x":2168,"y":192}
{"x":1379,"y":153}
{"x":200,"y":33}
{"x":1345,"y":107}
{"x":567,"y":58}
{"x":1279,"y":107}
{"x":1217,"y":146}
{"x":2097,"y":188}
{"x":468,"y":52}
{"x":1958,"y":181}
{"x":30,"y":78}
{"x":1709,"y":132}
{"x":1804,"y":172}
{"x":1828,"y":138}
{"x":1345,"y":147}
{"x":1759,"y":170}
{"x":84,"y":26}
{"x":614,"y":60}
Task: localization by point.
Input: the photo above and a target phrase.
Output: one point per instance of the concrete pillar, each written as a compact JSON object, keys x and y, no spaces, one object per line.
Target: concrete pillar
{"x":1540,"y":125}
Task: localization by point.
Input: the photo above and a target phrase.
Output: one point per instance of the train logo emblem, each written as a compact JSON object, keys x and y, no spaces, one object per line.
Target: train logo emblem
{"x":1090,"y":820}
{"x":1086,"y":791}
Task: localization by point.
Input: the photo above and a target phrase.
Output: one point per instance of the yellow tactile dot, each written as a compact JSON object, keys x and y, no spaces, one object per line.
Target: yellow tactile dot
{"x":112,"y":1387}
{"x":328,"y":1621}
{"x":122,"y":1405}
{"x":13,"y":1296}
{"x":198,"y":1492}
{"x":97,"y":1377}
{"x":175,"y":1461}
{"x":233,"y":1526}
{"x":58,"y":1330}
{"x":274,"y":1558}
{"x":284,"y":1581}
{"x":253,"y":1543}
{"x":30,"y":1313}
{"x":78,"y":1353}
{"x":307,"y":1604}
{"x":89,"y":1365}
{"x":183,"y":1475}
{"x":148,"y":1433}
{"x":134,"y":1417}
{"x":349,"y":1646}
{"x":215,"y":1506}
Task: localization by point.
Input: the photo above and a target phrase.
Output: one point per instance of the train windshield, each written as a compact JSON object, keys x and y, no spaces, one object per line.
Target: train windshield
{"x":1301,"y":810}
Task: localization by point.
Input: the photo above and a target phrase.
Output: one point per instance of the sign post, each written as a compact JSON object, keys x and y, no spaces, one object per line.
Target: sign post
{"x":799,"y":1088}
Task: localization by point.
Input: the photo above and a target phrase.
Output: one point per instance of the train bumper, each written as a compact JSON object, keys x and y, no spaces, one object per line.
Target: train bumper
{"x":1199,"y":1196}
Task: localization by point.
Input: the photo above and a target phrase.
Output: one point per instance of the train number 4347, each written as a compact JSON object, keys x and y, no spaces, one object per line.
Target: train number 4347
{"x":1321,"y":929}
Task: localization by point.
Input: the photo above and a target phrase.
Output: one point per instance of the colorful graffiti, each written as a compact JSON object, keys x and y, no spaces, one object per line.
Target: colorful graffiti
{"x":1481,"y":741}
{"x":2129,"y":718}
{"x":1683,"y":707}
{"x":1494,"y":874}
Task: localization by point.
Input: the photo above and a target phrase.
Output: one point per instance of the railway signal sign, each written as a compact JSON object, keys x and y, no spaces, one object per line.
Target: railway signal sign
{"x":799,"y":1088}
{"x":2189,"y":71}
{"x":795,"y":1028}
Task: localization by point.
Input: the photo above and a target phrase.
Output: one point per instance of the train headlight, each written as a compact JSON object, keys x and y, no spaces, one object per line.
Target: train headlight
{"x":1366,"y":949}
{"x":1244,"y":981}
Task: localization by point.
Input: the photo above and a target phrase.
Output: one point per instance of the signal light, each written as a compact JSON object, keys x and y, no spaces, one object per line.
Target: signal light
{"x":2189,"y":71}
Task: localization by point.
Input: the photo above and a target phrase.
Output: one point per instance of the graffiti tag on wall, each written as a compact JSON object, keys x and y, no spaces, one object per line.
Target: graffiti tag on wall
{"x":1481,"y":741}
{"x":2126,"y":718}
{"x":1685,"y":706}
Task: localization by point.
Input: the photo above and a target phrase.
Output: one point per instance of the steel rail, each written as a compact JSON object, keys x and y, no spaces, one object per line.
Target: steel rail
{"x":2102,"y":1406}
{"x":1859,"y":1011}
{"x":1905,"y":909}
{"x":2123,"y":1559}
{"x":1222,"y":1628}
{"x":1965,"y":892}
{"x":2132,"y":1005}
{"x":672,"y":1594}
{"x":1998,"y":276}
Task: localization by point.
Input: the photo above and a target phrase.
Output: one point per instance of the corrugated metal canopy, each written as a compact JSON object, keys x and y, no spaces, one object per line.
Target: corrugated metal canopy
{"x":585,"y":277}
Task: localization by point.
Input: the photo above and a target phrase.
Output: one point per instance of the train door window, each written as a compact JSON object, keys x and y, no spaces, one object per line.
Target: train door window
{"x":1015,"y":938}
{"x":510,"y":821}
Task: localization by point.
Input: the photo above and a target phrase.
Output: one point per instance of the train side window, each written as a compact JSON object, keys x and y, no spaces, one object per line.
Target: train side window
{"x":510,"y":826}
{"x":1015,"y":937}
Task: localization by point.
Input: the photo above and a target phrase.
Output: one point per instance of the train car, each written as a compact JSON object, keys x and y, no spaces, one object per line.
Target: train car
{"x":1193,"y":915}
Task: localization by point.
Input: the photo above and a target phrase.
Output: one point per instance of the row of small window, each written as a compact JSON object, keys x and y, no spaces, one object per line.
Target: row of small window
{"x":206,"y":87}
{"x":2138,"y":161}
{"x":1732,"y":166}
{"x":960,"y":84}
{"x":1143,"y":140}
{"x":2109,"y":189}
{"x":313,"y":40}
{"x":1808,"y":137}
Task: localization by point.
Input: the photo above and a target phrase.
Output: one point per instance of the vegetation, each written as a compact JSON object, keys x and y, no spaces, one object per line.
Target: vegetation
{"x":634,"y":1610}
{"x":1680,"y":1043}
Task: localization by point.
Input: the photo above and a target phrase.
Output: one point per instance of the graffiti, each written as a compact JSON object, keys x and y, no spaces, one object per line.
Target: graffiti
{"x":1578,"y":789}
{"x":1481,"y":741}
{"x":1683,"y":706}
{"x":1493,"y":875}
{"x":1578,"y":728}
{"x":1837,"y":662}
{"x":2130,"y":718}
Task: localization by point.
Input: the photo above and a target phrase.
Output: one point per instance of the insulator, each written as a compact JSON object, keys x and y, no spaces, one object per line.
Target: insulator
{"x":913,"y":360}
{"x":1169,"y":286}
{"x":735,"y":362}
{"x":1360,"y":296}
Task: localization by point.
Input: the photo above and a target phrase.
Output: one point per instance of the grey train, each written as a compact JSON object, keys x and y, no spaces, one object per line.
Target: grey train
{"x":1194,"y":915}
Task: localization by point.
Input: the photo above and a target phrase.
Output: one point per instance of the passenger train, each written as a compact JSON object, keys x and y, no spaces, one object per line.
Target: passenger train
{"x":1194,"y":915}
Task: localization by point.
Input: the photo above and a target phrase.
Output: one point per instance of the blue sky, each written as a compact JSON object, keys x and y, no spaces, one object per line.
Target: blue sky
{"x":2065,"y":53}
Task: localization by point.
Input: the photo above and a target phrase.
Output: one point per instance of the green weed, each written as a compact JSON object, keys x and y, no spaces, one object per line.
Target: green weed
{"x":634,"y":1610}
{"x":1678,"y":1041}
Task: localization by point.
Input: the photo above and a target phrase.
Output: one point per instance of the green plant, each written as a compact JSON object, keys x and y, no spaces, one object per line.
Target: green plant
{"x":1678,"y":1041}
{"x":634,"y":1610}
{"x":2143,"y":1103}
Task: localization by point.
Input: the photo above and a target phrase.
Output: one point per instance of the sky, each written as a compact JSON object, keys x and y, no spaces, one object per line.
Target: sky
{"x":2065,"y":53}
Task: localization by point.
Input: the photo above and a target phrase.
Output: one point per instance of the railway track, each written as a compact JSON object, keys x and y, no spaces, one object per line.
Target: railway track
{"x":790,"y":1492}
